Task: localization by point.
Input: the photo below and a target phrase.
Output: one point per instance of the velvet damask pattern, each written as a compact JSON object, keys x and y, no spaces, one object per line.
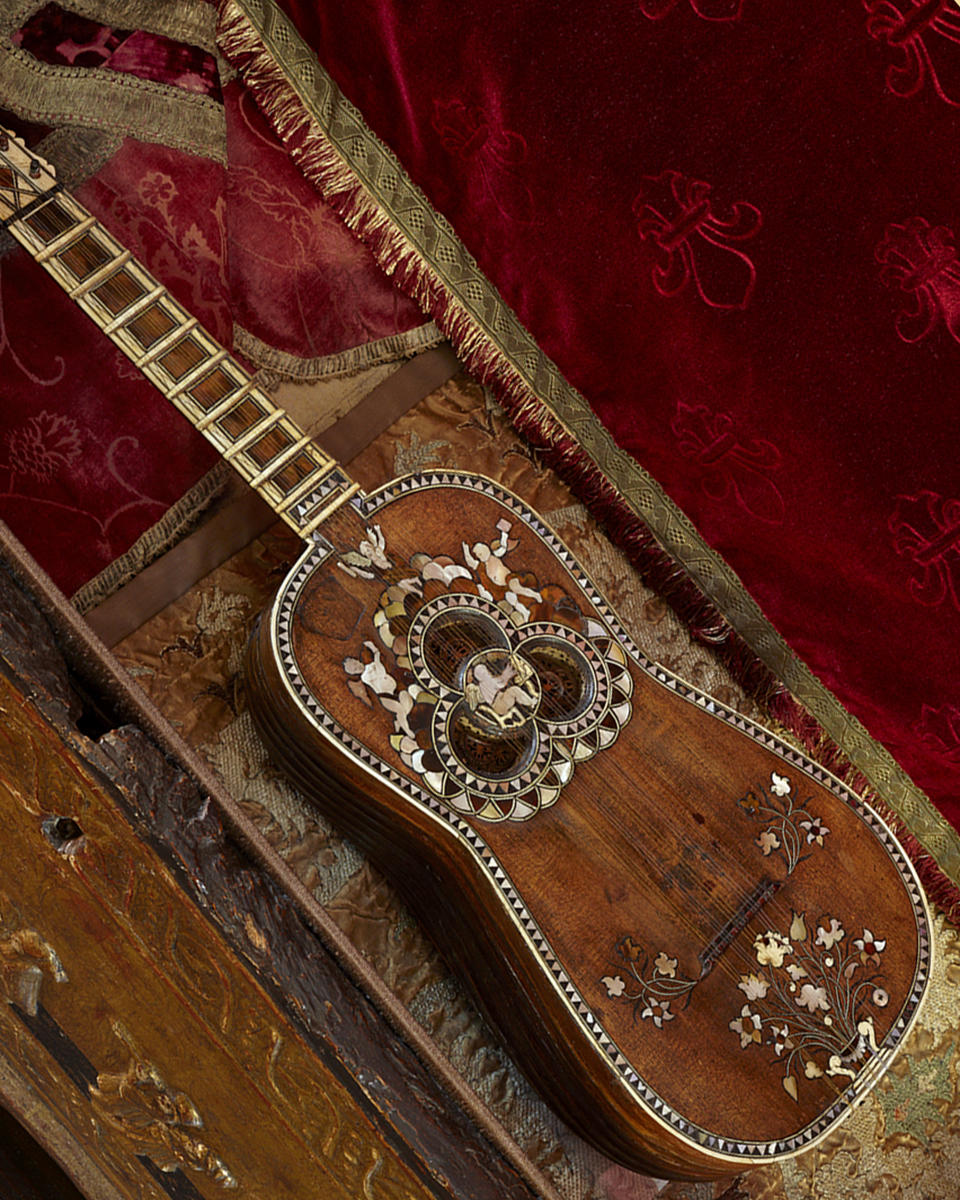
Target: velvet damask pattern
{"x":188,"y":175}
{"x":731,"y":225}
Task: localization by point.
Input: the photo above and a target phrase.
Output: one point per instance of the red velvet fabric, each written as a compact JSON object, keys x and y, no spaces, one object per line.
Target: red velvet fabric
{"x":732,"y":225}
{"x":299,"y":280}
{"x":62,"y":38}
{"x":91,"y":455}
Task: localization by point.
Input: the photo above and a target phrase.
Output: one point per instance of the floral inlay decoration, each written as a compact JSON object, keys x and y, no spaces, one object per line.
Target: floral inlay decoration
{"x":654,"y":983}
{"x":791,"y":831}
{"x":810,"y":1000}
{"x":498,"y":685}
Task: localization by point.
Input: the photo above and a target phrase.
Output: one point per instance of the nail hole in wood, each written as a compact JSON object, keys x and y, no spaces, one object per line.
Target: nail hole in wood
{"x":63,"y":833}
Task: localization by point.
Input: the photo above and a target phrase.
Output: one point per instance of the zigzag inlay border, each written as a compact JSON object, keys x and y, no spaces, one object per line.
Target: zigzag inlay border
{"x":367,"y":506}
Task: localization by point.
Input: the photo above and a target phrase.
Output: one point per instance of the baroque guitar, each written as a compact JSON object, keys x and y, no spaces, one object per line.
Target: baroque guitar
{"x":700,"y":946}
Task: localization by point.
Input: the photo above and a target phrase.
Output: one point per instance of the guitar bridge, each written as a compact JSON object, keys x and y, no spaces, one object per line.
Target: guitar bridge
{"x":766,"y":889}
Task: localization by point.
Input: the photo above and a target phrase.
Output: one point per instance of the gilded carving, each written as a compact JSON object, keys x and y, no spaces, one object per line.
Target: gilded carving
{"x":153,"y":1118}
{"x":354,"y":1157}
{"x":202,"y":976}
{"x":298,"y":1087}
{"x":25,"y":957}
{"x":121,"y":917}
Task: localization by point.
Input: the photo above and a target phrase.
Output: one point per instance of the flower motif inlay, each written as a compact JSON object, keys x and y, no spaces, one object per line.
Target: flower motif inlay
{"x":791,"y":831}
{"x":654,"y":982}
{"x":823,"y":1024}
{"x":808,"y":999}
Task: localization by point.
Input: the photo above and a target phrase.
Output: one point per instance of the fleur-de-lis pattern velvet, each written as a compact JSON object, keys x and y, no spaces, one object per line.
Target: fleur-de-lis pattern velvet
{"x":733,"y":227}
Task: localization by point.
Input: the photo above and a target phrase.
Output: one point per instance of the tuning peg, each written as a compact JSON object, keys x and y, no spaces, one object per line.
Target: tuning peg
{"x":34,"y":168}
{"x":4,"y":141}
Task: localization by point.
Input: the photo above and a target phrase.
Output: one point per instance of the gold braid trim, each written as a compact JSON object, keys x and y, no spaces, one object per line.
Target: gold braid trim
{"x":180,"y":20}
{"x":111,"y":101}
{"x":275,"y":364}
{"x":366,"y":184}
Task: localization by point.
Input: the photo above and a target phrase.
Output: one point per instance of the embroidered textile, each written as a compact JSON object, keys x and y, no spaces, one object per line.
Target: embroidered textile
{"x":185,"y":172}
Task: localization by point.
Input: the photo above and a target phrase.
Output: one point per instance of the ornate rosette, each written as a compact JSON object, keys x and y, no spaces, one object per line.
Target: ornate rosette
{"x":516,"y":707}
{"x":497,"y":686}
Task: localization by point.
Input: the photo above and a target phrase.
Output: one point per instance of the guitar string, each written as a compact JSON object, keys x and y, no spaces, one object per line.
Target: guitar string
{"x":736,"y":950}
{"x":519,"y":745}
{"x":726,"y":967}
{"x":656,"y":867}
{"x":43,"y":190}
{"x":22,"y":214}
{"x":733,"y":866}
{"x":744,"y":952}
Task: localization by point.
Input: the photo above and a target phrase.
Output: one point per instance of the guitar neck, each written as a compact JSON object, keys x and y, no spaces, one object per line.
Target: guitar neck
{"x":219,"y":397}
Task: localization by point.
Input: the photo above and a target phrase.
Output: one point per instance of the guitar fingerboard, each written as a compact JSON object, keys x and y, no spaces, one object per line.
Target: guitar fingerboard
{"x":210,"y":388}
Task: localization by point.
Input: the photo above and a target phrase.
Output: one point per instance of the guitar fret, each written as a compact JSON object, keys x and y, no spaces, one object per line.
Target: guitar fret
{"x":252,"y":434}
{"x":74,"y":234}
{"x":158,"y":349}
{"x":98,"y":277}
{"x":173,"y":350}
{"x":194,"y":376}
{"x":280,"y":460}
{"x":224,"y":406}
{"x":502,"y":712}
{"x":134,"y":310}
{"x":306,"y":485}
{"x":21,"y":214}
{"x":328,"y":509}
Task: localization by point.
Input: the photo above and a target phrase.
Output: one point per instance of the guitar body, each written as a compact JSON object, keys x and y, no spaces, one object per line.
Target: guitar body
{"x":699,"y":946}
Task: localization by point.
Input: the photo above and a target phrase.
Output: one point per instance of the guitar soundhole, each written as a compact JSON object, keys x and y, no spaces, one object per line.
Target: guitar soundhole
{"x":494,"y":709}
{"x":452,"y":638}
{"x":509,"y":690}
{"x":490,"y":757}
{"x":565,"y":680}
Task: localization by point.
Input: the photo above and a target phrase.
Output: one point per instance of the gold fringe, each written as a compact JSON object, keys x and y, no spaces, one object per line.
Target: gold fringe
{"x":283,"y":99}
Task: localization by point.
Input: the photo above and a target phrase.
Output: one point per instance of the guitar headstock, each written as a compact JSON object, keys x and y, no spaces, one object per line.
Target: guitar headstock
{"x":24,"y":176}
